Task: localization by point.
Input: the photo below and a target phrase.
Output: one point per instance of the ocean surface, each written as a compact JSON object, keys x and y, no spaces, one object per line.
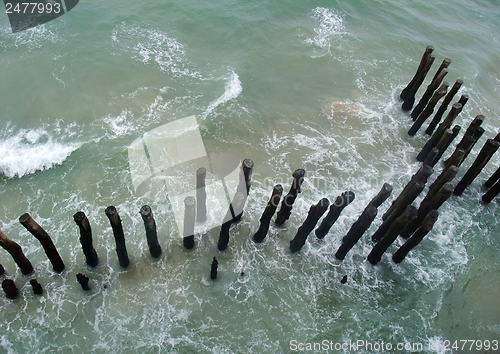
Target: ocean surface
{"x":288,"y":84}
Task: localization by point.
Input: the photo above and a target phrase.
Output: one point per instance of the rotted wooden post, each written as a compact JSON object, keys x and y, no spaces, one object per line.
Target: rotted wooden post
{"x":36,"y":287}
{"x":420,"y":176}
{"x":213,"y":269}
{"x":17,"y":254}
{"x":438,"y":94}
{"x":431,"y":157}
{"x":316,"y":211}
{"x":443,"y":144}
{"x":444,"y":106}
{"x":476,"y":136}
{"x":245,"y":176}
{"x":48,"y":246}
{"x":417,"y":237}
{"x":201,"y":195}
{"x":116,"y":225}
{"x":489,"y":148}
{"x":455,"y":131}
{"x":268,"y":213}
{"x":356,"y":231}
{"x":10,"y":288}
{"x":424,"y":100}
{"x":446,"y":176}
{"x":233,"y":214}
{"x":151,"y":235}
{"x":491,"y":193}
{"x":410,"y":98}
{"x":86,"y":238}
{"x":189,"y":218}
{"x":392,"y":233}
{"x":287,"y":203}
{"x":83,"y":280}
{"x":493,"y":179}
{"x":336,"y":208}
{"x":421,"y":67}
{"x":381,"y":196}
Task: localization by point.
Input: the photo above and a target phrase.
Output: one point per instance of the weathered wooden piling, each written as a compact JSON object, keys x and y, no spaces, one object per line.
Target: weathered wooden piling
{"x":268,"y":213}
{"x":446,"y":139}
{"x":478,"y":133}
{"x":418,"y":236}
{"x":421,"y":67}
{"x":431,"y":204}
{"x":336,"y":208}
{"x":381,"y":196}
{"x":431,"y":157}
{"x":420,"y":176}
{"x":36,"y":287}
{"x":83,"y":280}
{"x":444,"y":106}
{"x":237,"y":205}
{"x":10,"y":288}
{"x":399,"y":209}
{"x":213,"y":269}
{"x":392,"y":233}
{"x":424,"y":100}
{"x":247,"y":166}
{"x":151,"y":235}
{"x":287,"y":203}
{"x":489,"y":148}
{"x":456,"y":158}
{"x":86,"y":238}
{"x":17,"y":254}
{"x":426,"y":113}
{"x":116,"y":225}
{"x":446,"y":176}
{"x":189,"y":218}
{"x":201,"y":195}
{"x":356,"y":231}
{"x":316,"y":211}
{"x":233,"y":215}
{"x":2,"y":270}
{"x":410,"y":97}
{"x":434,"y":139}
{"x":493,"y":179}
{"x":48,"y":246}
{"x":491,"y":193}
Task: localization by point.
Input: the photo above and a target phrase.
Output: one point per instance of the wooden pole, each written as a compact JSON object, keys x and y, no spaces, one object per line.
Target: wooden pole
{"x":233,"y":215}
{"x":381,"y":196}
{"x":446,"y":176}
{"x":422,"y":117}
{"x":489,"y":148}
{"x":10,"y":288}
{"x":268,"y":213}
{"x":2,"y":270}
{"x":315,"y":212}
{"x":410,"y":98}
{"x":431,"y":157}
{"x":83,"y":280}
{"x":201,"y":195}
{"x":245,"y":176}
{"x":336,"y":208}
{"x":17,"y":254}
{"x":287,"y":203}
{"x":493,"y":179}
{"x":37,"y":288}
{"x":421,"y":68}
{"x":456,"y":158}
{"x":356,"y":231}
{"x":50,"y":250}
{"x":213,"y":269}
{"x":444,"y":106}
{"x":392,"y":233}
{"x":492,"y":193}
{"x":476,"y":136}
{"x":443,"y":145}
{"x":189,"y":218}
{"x":413,"y":241}
{"x":116,"y":225}
{"x":424,"y":100}
{"x":151,"y":235}
{"x":86,"y":238}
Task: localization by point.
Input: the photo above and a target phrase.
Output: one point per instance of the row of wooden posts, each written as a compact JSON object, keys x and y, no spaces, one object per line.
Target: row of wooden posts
{"x":401,"y":218}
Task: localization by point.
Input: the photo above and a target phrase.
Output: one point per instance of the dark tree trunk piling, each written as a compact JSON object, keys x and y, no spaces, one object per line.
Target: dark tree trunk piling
{"x":245,"y":176}
{"x":444,"y":106}
{"x":381,"y":196}
{"x":400,"y":208}
{"x":287,"y":203}
{"x":268,"y":213}
{"x":418,"y":236}
{"x":446,"y":176}
{"x":420,"y":176}
{"x":443,"y":143}
{"x":392,"y":233}
{"x":493,"y":179}
{"x":17,"y":254}
{"x":151,"y":235}
{"x":83,"y":280}
{"x":86,"y":238}
{"x":489,"y":148}
{"x":50,"y":250}
{"x":237,"y":205}
{"x":37,"y":288}
{"x":2,"y":270}
{"x":336,"y":208}
{"x":456,"y":158}
{"x":189,"y":218}
{"x":356,"y":231}
{"x":432,"y":204}
{"x":316,"y":211}
{"x":440,"y":92}
{"x":116,"y":225}
{"x":213,"y":269}
{"x":492,"y":193}
{"x":410,"y":97}
{"x":421,"y":68}
{"x":424,"y":100}
{"x":201,"y":195}
{"x":233,"y":214}
{"x":431,"y":157}
{"x":10,"y":288}
{"x":477,"y":135}
{"x":431,"y":143}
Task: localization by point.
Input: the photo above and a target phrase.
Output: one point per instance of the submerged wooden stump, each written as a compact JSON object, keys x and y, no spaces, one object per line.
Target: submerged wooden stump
{"x":268,"y":213}
{"x":444,"y":106}
{"x":421,"y":67}
{"x":424,"y":100}
{"x":316,"y":211}
{"x":201,"y":195}
{"x":83,"y":280}
{"x":213,"y":269}
{"x":37,"y":288}
{"x":151,"y":235}
{"x":116,"y":225}
{"x":287,"y":203}
{"x":86,"y":238}
{"x":189,"y":219}
{"x":48,"y":246}
{"x":10,"y":288}
{"x":356,"y":231}
{"x":336,"y":208}
{"x":422,"y":117}
{"x":413,"y":241}
{"x":17,"y":254}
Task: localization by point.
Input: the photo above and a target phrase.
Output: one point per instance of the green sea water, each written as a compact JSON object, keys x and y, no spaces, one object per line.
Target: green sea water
{"x":288,"y":84}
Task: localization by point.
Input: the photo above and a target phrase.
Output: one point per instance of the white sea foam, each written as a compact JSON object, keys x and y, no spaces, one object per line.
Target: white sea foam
{"x":232,"y":90}
{"x":330,"y":25}
{"x":27,"y":151}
